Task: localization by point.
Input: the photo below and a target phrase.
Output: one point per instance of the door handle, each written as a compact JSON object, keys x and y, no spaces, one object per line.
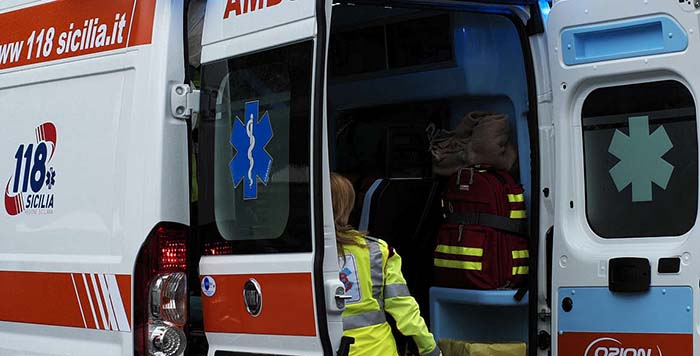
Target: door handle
{"x":629,"y":274}
{"x":341,"y":297}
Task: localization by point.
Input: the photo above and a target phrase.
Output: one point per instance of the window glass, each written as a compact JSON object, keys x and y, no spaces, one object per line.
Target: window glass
{"x":254,"y":152}
{"x":420,"y":41}
{"x":641,"y":160}
{"x":396,"y":45}
{"x":359,"y":51}
{"x":388,"y":140}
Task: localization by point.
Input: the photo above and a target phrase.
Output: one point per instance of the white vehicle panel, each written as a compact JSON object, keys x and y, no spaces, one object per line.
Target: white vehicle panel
{"x":120,"y":163}
{"x":293,"y":263}
{"x":581,"y":256}
{"x":233,"y":31}
{"x":266,"y":344}
{"x":227,"y":19}
{"x":585,"y":254}
{"x":83,"y":218}
{"x":305,"y":28}
{"x":35,"y":340}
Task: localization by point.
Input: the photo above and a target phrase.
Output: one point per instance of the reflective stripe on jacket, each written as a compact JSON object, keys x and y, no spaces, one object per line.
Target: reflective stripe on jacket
{"x":372,"y":277}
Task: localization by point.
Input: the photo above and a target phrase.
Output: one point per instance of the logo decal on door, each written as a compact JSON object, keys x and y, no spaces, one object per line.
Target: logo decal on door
{"x":29,"y":189}
{"x":252,"y":297}
{"x":624,"y":344}
{"x":242,"y":7}
{"x":609,"y":347}
{"x":208,"y":286}
{"x":348,"y":275}
{"x":641,"y":161}
{"x":251,"y":162}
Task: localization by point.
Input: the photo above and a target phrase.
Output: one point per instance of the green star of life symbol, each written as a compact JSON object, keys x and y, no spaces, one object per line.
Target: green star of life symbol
{"x":641,"y":161}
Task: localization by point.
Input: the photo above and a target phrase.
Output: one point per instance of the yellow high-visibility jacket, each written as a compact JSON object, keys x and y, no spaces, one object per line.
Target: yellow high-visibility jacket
{"x":372,"y":277}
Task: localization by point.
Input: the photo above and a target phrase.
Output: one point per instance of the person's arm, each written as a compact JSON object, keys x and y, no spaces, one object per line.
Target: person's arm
{"x":400,"y":304}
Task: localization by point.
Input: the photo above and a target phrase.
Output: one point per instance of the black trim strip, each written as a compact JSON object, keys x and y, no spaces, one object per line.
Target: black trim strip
{"x":194,"y":330}
{"x":185,"y":42}
{"x":549,"y":241}
{"x":317,"y":156}
{"x":536,"y":23}
{"x":534,"y":213}
{"x":625,"y":125}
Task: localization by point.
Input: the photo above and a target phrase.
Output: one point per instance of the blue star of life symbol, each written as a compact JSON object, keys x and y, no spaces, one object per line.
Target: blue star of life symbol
{"x":251,"y":161}
{"x":641,"y":162}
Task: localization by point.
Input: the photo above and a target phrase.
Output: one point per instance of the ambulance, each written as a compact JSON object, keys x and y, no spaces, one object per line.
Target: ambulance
{"x":166,"y":164}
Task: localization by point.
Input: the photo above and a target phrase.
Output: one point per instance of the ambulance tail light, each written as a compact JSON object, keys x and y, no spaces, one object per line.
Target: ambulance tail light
{"x":218,"y":248}
{"x":160,"y":292}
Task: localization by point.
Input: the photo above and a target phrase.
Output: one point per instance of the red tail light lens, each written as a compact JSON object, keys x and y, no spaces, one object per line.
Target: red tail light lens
{"x":160,"y":292}
{"x":218,"y":248}
{"x":173,"y":249}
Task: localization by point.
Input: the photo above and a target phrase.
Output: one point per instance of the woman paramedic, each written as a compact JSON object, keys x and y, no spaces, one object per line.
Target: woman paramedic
{"x":371,"y":273}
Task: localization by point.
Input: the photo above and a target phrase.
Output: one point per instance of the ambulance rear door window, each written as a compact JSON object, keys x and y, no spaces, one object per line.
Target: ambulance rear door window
{"x":641,"y":160}
{"x":255,"y":152}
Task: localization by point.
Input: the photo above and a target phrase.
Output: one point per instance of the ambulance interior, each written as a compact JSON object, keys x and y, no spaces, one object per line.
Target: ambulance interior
{"x":393,"y":73}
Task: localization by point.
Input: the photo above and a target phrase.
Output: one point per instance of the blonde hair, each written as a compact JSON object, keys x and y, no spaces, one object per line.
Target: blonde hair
{"x":343,"y":195}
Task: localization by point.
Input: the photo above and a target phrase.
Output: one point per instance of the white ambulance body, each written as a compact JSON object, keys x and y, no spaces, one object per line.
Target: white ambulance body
{"x":85,"y":97}
{"x":144,"y":214}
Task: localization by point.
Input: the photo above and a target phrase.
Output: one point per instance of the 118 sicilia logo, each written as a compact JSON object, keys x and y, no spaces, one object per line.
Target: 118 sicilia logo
{"x":29,"y":189}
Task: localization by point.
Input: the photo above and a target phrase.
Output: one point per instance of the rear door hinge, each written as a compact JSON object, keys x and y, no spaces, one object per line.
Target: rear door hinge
{"x":184,"y":102}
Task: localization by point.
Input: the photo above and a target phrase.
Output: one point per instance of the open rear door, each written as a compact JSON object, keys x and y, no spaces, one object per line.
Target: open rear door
{"x":625,"y":279}
{"x":263,"y":180}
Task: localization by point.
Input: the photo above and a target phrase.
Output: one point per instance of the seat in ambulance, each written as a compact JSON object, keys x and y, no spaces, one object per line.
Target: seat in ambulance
{"x":402,"y":208}
{"x":402,"y":212}
{"x":393,"y":206}
{"x":393,"y":210}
